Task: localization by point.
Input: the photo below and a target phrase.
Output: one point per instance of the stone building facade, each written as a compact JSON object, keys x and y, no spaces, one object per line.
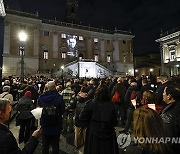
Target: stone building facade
{"x":51,"y":44}
{"x":170,"y":52}
{"x":147,"y":64}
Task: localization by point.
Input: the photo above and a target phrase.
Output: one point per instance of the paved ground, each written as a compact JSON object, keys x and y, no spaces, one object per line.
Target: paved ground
{"x":66,"y":142}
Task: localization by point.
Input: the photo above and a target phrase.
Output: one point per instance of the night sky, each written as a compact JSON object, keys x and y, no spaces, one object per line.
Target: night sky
{"x":145,"y":18}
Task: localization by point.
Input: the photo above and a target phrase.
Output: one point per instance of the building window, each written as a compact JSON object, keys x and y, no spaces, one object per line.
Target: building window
{"x":21,"y":50}
{"x":81,"y":38}
{"x":108,"y":58}
{"x":63,"y":35}
{"x":46,"y":33}
{"x":63,"y":55}
{"x":172,"y":55}
{"x":124,"y":58}
{"x":96,"y":40}
{"x":45,"y":56}
{"x":124,"y":42}
{"x":22,"y":27}
{"x":108,"y":41}
{"x":96,"y":58}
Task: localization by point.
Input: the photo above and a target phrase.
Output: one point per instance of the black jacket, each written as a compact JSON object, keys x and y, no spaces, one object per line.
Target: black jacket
{"x":101,"y":136}
{"x":8,"y":144}
{"x":25,"y":105}
{"x":171,"y":117}
{"x":81,"y":99}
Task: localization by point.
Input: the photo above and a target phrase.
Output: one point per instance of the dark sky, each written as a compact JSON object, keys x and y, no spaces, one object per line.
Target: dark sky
{"x":145,"y":18}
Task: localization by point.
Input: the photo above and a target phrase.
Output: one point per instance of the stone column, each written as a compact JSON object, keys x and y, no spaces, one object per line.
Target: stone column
{"x":55,"y":45}
{"x":6,"y":49}
{"x":36,"y":42}
{"x":89,"y":48}
{"x":116,"y":51}
{"x":102,"y":49}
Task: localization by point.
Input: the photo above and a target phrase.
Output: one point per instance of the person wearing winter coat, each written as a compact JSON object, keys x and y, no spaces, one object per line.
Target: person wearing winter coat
{"x":171,"y":113}
{"x":80,"y":128}
{"x":51,"y":127}
{"x":100,"y":115}
{"x":6,"y":94}
{"x":24,"y":107}
{"x":8,"y":144}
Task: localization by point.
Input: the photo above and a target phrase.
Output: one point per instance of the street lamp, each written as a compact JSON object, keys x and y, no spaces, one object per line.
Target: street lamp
{"x":150,"y":73}
{"x":22,"y":38}
{"x":62,"y":68}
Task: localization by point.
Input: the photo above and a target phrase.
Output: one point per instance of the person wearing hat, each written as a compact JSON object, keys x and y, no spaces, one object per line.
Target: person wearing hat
{"x":25,"y":105}
{"x":6,"y":94}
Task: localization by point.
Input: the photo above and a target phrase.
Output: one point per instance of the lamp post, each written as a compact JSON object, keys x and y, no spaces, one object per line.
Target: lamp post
{"x":150,"y":72}
{"x":62,"y":68}
{"x":2,"y":15}
{"x":22,"y":38}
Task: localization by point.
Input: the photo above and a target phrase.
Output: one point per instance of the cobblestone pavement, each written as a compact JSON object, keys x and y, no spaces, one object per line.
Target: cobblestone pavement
{"x":66,"y":142}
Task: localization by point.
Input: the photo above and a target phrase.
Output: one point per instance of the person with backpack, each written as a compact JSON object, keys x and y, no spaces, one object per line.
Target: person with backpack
{"x":68,"y":97}
{"x":118,"y":94}
{"x":80,"y":129}
{"x":51,"y":119}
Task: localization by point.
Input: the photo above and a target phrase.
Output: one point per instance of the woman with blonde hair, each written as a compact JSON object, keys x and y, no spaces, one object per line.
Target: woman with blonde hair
{"x":147,"y":124}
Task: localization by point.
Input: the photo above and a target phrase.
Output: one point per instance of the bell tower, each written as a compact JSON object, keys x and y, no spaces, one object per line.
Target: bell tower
{"x":72,"y":11}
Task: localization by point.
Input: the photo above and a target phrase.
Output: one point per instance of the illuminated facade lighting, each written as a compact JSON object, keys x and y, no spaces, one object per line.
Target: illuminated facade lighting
{"x":2,"y":9}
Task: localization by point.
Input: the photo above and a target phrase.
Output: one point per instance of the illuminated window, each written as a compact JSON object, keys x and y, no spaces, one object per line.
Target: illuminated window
{"x":46,"y":33}
{"x":63,"y":55}
{"x":81,"y":38}
{"x":63,"y":35}
{"x":95,"y":40}
{"x":108,"y":58}
{"x":172,"y":55}
{"x":21,"y":51}
{"x":96,"y":58}
{"x":45,"y":56}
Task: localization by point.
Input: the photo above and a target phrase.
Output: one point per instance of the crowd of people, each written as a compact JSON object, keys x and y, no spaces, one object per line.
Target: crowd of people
{"x":91,"y":108}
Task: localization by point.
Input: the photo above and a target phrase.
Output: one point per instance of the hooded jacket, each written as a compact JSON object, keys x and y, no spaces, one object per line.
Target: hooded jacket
{"x":52,"y":97}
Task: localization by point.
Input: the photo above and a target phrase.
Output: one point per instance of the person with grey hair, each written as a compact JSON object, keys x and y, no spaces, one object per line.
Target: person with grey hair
{"x":51,"y":119}
{"x":8,"y":142}
{"x":6,"y":94}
